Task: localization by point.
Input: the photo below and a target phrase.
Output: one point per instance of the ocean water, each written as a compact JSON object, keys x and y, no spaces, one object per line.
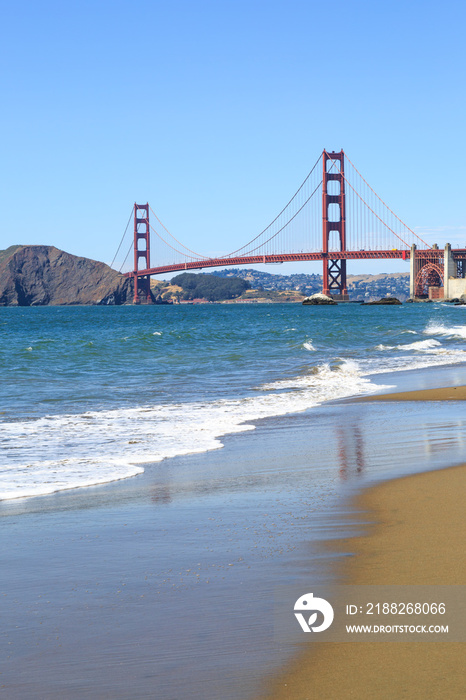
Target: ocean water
{"x":163,"y":469}
{"x":91,"y":394}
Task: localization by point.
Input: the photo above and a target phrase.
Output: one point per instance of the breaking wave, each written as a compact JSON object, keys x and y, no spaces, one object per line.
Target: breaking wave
{"x":421,"y":345}
{"x":104,"y":446}
{"x":435,"y":328}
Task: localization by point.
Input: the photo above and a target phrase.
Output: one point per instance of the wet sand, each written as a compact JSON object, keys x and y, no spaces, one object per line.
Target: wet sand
{"x":162,"y":586}
{"x":418,"y":538}
{"x":453,"y":393}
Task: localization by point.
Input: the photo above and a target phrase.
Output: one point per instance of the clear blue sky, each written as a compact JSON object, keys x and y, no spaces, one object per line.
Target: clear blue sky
{"x":214,"y":112}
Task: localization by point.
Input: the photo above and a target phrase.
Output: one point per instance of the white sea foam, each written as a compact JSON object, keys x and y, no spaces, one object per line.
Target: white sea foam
{"x":42,"y":478}
{"x":432,"y":357}
{"x":420,"y":354}
{"x":156,"y":333}
{"x":435,"y":328}
{"x":420,"y":345}
{"x":308,"y":345}
{"x":324,"y":383}
{"x":109,"y":445}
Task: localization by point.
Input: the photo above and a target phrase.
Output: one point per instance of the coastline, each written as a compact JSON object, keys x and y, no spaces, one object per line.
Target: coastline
{"x":415,"y":537}
{"x":115,"y":536}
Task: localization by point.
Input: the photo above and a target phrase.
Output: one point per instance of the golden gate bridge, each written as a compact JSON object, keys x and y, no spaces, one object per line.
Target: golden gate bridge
{"x":334,"y":216}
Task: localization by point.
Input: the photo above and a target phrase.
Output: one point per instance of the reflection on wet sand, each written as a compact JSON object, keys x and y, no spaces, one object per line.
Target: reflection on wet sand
{"x":210,"y":534}
{"x":350,"y":440}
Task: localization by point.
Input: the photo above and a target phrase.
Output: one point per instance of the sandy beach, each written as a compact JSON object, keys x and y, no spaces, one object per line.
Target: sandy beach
{"x":417,"y":537}
{"x":452,"y":393}
{"x":206,"y":539}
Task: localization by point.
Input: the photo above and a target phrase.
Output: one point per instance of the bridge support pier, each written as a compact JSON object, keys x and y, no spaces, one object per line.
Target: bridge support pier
{"x":412,"y":271}
{"x":141,"y":290}
{"x":333,"y":224}
{"x":449,"y":270}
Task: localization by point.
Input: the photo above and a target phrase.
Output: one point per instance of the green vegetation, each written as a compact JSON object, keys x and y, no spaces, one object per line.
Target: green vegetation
{"x":360,"y":287}
{"x":4,"y":254}
{"x":209,"y":287}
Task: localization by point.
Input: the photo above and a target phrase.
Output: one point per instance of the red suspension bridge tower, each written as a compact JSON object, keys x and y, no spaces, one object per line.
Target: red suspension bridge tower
{"x":141,"y":250}
{"x":333,"y":223}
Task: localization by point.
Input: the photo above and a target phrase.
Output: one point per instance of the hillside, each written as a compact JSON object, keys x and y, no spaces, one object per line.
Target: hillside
{"x":209,"y":287}
{"x":360,"y":287}
{"x":38,"y":275}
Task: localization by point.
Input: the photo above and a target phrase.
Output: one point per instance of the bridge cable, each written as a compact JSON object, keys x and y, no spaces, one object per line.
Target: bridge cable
{"x":370,"y":208}
{"x":285,"y":225}
{"x":122,"y":238}
{"x":229,"y":255}
{"x":129,"y":251}
{"x":199,"y":257}
{"x":385,"y":205}
{"x":175,"y":239}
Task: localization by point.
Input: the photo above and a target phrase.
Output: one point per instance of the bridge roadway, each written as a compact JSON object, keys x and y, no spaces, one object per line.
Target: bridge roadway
{"x":271,"y":259}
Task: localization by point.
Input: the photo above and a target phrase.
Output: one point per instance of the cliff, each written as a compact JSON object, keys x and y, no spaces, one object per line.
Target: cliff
{"x":37,"y":275}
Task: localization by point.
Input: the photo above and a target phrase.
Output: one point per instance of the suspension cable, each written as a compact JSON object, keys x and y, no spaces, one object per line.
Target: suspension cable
{"x":199,"y":257}
{"x":287,"y":223}
{"x":386,"y":205}
{"x":175,"y":239}
{"x":368,"y":206}
{"x":122,"y":238}
{"x":129,"y":251}
{"x":334,"y":163}
{"x":278,"y":215}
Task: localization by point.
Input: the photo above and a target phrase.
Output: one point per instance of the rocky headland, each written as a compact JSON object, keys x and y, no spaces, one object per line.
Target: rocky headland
{"x":39,"y":275}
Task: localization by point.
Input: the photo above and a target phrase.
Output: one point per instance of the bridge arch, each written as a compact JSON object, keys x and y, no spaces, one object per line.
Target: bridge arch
{"x":430,"y":275}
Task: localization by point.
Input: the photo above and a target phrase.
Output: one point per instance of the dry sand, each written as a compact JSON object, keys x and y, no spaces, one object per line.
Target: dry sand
{"x":418,"y":537}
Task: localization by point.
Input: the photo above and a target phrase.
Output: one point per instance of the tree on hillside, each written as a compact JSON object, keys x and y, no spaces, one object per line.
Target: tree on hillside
{"x":210,"y":287}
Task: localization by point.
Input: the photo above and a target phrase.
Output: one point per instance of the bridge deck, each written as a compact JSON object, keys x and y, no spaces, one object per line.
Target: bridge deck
{"x":271,"y":259}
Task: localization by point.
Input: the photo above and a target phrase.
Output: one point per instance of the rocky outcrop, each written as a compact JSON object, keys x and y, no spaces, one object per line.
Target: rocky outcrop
{"x":319,"y":300}
{"x":38,"y":275}
{"x":385,"y":301}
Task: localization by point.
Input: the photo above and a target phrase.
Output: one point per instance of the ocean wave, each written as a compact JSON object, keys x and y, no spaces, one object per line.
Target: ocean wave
{"x":122,"y":439}
{"x":421,"y":345}
{"x":46,"y":477}
{"x":326,"y":383}
{"x":433,"y":357}
{"x":435,"y":328}
{"x":308,"y":345}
